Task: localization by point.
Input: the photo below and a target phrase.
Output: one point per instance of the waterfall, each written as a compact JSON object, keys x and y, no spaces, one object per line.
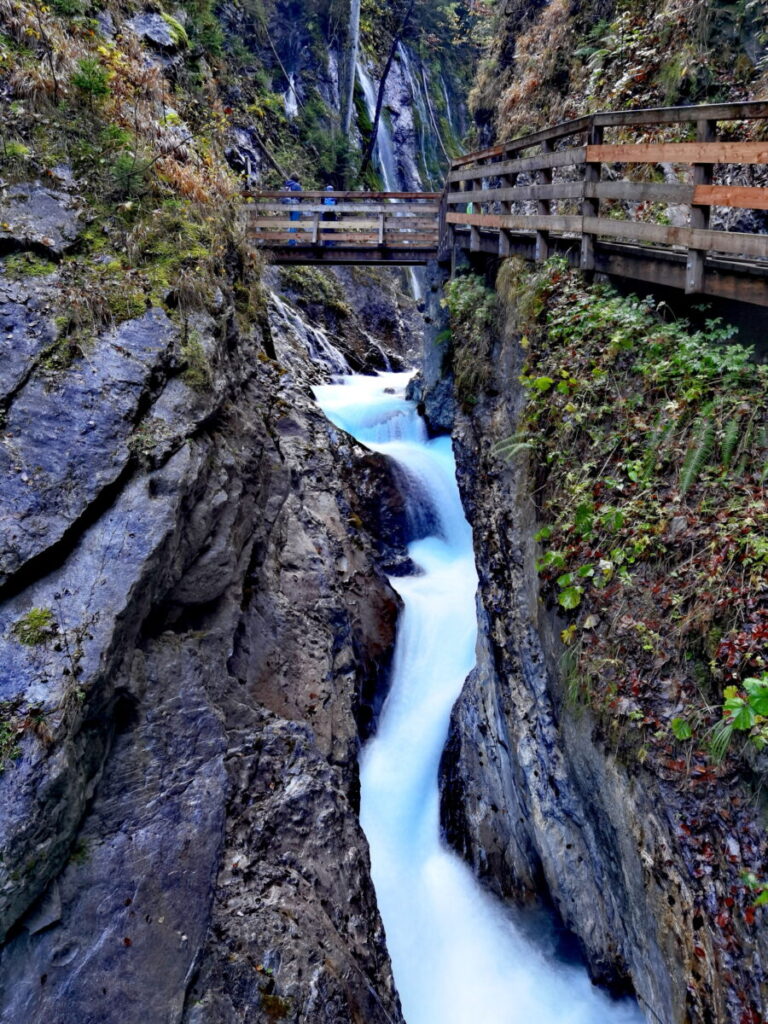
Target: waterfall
{"x":292,"y":332}
{"x":420,"y":103}
{"x":384,"y":156}
{"x":384,"y":151}
{"x":458,"y":957}
{"x":291,"y":98}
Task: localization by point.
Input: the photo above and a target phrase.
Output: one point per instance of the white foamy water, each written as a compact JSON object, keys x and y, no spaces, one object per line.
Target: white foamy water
{"x":457,"y":956}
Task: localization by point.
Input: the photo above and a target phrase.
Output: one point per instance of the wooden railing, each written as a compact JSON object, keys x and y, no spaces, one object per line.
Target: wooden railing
{"x":396,"y":221}
{"x":583,"y":188}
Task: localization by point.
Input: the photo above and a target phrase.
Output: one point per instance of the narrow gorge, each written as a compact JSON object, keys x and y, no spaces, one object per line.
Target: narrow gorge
{"x":378,"y":644}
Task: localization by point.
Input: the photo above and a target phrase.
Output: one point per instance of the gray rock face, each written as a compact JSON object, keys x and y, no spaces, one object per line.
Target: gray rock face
{"x":66,"y":436}
{"x":25,"y":332}
{"x":436,"y":392}
{"x":535,"y":799}
{"x":178,"y":830}
{"x":32,"y":216}
{"x":155,"y":30}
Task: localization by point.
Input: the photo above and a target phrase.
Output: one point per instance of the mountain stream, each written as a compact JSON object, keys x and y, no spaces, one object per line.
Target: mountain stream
{"x":458,"y":955}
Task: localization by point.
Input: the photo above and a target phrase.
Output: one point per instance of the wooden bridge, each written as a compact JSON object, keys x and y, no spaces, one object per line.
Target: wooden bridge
{"x":631,"y":205}
{"x":360,"y":227}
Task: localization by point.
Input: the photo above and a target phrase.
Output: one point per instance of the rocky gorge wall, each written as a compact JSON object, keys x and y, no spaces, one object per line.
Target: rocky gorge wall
{"x":536,"y":795}
{"x":195,"y":633}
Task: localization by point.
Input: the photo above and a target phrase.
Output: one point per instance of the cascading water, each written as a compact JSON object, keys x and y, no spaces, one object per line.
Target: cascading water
{"x":384,"y":150}
{"x":384,"y":154}
{"x":457,"y":956}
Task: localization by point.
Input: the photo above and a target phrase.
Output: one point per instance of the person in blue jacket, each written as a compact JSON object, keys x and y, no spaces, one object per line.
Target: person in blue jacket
{"x":327,"y":215}
{"x":292,"y":185}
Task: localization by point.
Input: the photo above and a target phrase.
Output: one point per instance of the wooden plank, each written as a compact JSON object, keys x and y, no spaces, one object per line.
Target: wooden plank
{"x":735,"y":242}
{"x":285,"y":238}
{"x":558,"y":131}
{"x":480,"y":154}
{"x":409,"y":222}
{"x":637,"y":231}
{"x":736,"y":196}
{"x":639,"y":191}
{"x":746,"y":111}
{"x":518,"y":194}
{"x":363,"y":196}
{"x":414,"y":209}
{"x":562,"y":158}
{"x":276,"y":222}
{"x":512,"y":222}
{"x":681,"y":153}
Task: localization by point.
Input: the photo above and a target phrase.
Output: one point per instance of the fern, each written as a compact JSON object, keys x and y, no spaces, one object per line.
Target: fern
{"x":699,"y":451}
{"x":730,"y":441}
{"x":720,"y":738}
{"x":511,"y":446}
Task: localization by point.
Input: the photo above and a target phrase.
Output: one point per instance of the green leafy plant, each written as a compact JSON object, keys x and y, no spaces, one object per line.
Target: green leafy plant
{"x":38,"y":626}
{"x":91,"y":78}
{"x":744,"y":710}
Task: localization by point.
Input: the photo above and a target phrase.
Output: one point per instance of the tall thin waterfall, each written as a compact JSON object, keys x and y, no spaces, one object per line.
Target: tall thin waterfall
{"x":384,"y":152}
{"x":457,"y":956}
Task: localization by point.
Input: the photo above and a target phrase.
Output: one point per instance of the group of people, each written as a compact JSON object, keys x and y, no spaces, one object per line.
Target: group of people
{"x":293,"y":185}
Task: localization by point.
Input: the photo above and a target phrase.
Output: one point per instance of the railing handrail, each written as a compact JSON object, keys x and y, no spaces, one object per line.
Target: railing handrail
{"x":746,"y":110}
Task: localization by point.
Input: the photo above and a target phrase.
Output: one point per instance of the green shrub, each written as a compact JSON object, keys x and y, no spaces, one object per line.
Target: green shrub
{"x":91,"y":78}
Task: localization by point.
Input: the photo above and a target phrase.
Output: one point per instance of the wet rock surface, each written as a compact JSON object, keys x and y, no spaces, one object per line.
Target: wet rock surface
{"x":192,"y":635}
{"x":536,"y":799}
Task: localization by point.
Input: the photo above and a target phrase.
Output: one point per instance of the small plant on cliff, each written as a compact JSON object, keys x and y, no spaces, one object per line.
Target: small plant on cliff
{"x":10,"y":733}
{"x":198,"y":370}
{"x":744,"y":710}
{"x":38,"y":626}
{"x":91,"y":79}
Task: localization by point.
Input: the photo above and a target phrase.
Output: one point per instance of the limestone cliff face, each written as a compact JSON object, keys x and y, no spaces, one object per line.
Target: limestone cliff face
{"x":536,"y":799}
{"x":193,"y":625}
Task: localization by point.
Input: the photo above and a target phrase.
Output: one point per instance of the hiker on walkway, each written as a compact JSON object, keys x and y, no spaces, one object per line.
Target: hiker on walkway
{"x":327,"y":215}
{"x":292,"y":185}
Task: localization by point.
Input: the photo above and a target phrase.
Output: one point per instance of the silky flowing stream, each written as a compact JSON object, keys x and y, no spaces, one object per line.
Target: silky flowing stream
{"x":457,"y":956}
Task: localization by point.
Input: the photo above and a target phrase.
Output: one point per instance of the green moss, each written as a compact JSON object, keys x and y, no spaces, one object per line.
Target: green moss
{"x":25,"y":264}
{"x":197,"y":374}
{"x":178,"y":32}
{"x":36,"y":627}
{"x":126,"y":305}
{"x":315,"y":286}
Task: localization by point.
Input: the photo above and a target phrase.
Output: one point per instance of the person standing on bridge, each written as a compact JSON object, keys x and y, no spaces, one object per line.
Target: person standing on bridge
{"x":292,"y":185}
{"x":327,"y":216}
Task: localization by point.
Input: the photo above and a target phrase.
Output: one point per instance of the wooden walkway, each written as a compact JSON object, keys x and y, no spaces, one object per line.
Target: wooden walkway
{"x":603,"y":190}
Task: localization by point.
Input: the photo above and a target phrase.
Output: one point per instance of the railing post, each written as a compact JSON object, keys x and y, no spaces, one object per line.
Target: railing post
{"x":315,"y":228}
{"x":543,"y":207}
{"x":381,"y":229}
{"x":590,"y":206}
{"x":474,"y":233}
{"x":699,"y":217}
{"x":507,"y":181}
